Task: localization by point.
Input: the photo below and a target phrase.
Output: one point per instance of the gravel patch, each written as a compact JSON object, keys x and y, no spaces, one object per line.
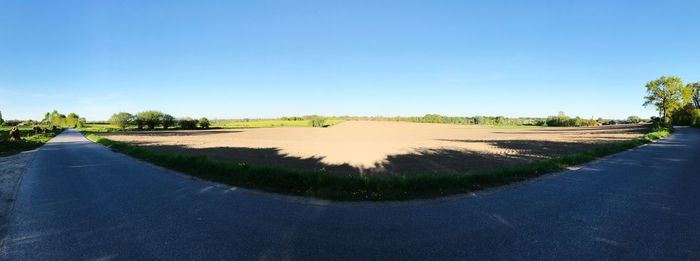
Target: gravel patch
{"x":11,"y":170}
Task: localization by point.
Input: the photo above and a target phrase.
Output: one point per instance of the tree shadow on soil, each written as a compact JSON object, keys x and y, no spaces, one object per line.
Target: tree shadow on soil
{"x":612,"y":130}
{"x":420,"y":162}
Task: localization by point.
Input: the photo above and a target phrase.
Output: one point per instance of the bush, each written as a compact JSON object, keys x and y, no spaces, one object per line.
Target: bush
{"x":204,"y":123}
{"x":150,"y":118}
{"x":14,"y":134}
{"x":122,"y":119}
{"x":562,"y":120}
{"x":558,"y":121}
{"x":187,"y":123}
{"x":318,"y":122}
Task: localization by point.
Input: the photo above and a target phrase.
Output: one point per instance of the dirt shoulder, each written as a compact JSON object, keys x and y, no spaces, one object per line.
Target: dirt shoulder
{"x":12,"y":168}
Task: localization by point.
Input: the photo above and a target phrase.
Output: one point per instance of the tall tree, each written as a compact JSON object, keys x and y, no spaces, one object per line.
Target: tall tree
{"x":204,"y":123}
{"x":122,"y":119}
{"x":168,"y":120}
{"x":1,"y":120}
{"x":666,"y":94}
{"x":47,"y":118}
{"x":695,"y":89}
{"x":150,"y":118}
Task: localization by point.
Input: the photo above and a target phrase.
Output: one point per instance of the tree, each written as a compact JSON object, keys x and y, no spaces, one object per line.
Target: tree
{"x":684,"y":115}
{"x":695,"y":90}
{"x":187,"y":123}
{"x":696,"y":118}
{"x":47,"y":118}
{"x":168,"y":120}
{"x":667,"y":94}
{"x":204,"y":123}
{"x":56,"y":119}
{"x":150,"y":118}
{"x":122,"y":119}
{"x":73,"y":120}
{"x":633,"y":119}
{"x":2,"y":121}
{"x":139,"y":123}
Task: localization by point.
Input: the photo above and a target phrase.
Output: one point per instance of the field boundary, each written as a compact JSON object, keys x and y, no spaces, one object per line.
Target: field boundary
{"x":352,"y":187}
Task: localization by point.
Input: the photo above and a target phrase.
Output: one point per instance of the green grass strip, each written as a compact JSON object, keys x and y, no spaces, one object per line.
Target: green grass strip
{"x":352,"y":187}
{"x":30,"y":141}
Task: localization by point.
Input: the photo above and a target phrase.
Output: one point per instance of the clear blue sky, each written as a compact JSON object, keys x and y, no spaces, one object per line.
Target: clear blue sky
{"x":236,"y":59}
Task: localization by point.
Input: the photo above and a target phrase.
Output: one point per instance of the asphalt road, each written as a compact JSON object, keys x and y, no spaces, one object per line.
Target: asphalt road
{"x":79,"y":200}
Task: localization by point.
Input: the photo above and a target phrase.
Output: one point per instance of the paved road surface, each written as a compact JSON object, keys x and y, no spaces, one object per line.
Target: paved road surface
{"x":79,"y":200}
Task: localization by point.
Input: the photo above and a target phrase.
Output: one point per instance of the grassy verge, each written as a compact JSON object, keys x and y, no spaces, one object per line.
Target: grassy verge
{"x":353,"y":187}
{"x":30,"y":142}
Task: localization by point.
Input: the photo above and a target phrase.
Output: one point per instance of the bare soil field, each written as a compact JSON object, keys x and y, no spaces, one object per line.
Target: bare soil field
{"x":384,"y":148}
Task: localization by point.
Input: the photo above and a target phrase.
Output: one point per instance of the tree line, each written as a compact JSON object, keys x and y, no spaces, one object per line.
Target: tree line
{"x":152,"y":119}
{"x":51,"y":119}
{"x":561,"y":120}
{"x":677,"y":103}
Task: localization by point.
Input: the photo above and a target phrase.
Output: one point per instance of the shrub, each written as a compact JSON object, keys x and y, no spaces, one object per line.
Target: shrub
{"x":633,"y":119}
{"x":559,"y":120}
{"x":187,"y":123}
{"x":168,"y":120}
{"x":318,"y":121}
{"x":150,"y":118}
{"x":562,"y":120}
{"x":122,"y":119}
{"x":204,"y":123}
{"x":14,"y":134}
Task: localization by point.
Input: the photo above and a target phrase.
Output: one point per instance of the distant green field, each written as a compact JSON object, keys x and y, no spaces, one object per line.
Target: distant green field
{"x":272,"y":123}
{"x":30,"y":141}
{"x":102,"y":127}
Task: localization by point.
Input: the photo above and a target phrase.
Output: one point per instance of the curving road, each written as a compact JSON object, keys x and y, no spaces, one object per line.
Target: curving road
{"x":79,"y":200}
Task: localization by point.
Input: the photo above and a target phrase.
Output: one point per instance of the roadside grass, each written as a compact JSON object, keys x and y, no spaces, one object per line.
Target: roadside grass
{"x":349,"y":187}
{"x":101,"y":127}
{"x":29,"y":142}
